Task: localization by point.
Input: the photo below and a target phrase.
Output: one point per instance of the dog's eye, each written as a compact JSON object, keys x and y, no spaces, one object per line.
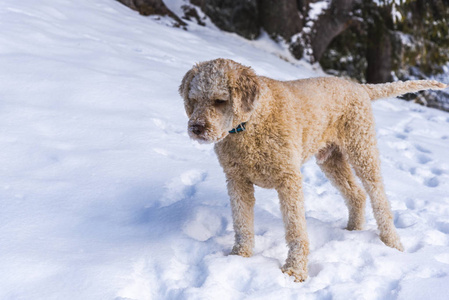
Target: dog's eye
{"x":219,"y":101}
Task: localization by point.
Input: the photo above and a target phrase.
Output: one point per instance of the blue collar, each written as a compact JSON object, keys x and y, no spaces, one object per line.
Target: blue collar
{"x":239,"y":128}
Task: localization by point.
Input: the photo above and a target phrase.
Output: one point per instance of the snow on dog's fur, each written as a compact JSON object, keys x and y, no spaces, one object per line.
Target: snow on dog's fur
{"x":286,"y":123}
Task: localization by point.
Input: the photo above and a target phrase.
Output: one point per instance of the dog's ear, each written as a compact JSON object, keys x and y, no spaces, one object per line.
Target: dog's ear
{"x":184,"y":89}
{"x":247,"y":87}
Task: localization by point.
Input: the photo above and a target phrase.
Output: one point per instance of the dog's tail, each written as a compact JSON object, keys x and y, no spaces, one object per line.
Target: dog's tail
{"x":393,"y":89}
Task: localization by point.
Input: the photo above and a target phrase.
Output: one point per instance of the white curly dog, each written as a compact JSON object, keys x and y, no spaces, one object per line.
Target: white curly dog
{"x":265,"y":129}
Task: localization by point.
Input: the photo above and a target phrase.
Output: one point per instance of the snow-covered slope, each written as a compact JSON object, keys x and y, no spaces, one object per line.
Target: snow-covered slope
{"x":103,"y":195}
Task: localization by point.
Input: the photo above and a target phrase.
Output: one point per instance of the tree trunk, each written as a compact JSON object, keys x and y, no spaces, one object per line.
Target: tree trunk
{"x":378,"y":57}
{"x":236,"y":16}
{"x":330,"y":24}
{"x":379,"y":51}
{"x":303,"y":7}
{"x":280,"y":18}
{"x":152,"y":7}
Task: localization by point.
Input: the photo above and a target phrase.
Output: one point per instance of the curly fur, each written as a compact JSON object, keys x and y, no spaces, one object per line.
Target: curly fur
{"x":287,"y":123}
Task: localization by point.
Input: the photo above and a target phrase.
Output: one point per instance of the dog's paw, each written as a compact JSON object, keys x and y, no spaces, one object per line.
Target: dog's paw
{"x":393,"y":242}
{"x":353,"y":226}
{"x":299,"y":274}
{"x":241,"y":251}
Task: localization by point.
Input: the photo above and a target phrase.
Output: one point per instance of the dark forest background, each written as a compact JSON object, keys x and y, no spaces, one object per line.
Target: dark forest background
{"x":371,"y":41}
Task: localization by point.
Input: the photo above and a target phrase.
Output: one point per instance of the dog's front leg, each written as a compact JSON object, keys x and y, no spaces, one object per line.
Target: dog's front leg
{"x":241,"y":193}
{"x":292,"y":206}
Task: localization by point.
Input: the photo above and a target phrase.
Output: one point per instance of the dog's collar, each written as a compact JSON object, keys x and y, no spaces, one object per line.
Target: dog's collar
{"x":239,"y":128}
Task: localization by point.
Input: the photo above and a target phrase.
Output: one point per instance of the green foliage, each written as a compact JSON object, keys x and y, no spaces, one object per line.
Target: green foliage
{"x":425,"y":24}
{"x":419,"y":31}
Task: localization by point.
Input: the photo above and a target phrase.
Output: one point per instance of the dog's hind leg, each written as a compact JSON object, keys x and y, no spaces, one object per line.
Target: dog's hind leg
{"x":337,"y":169}
{"x":361,"y":148}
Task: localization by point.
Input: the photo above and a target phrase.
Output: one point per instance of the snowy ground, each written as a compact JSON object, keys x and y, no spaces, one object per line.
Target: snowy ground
{"x":103,"y":195}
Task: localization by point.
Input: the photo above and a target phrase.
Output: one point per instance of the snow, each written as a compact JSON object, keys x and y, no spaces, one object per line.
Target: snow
{"x":104,"y":196}
{"x":317,"y":9}
{"x":388,"y":2}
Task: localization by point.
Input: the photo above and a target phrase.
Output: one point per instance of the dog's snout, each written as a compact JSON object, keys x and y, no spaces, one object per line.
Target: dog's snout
{"x":197,"y":128}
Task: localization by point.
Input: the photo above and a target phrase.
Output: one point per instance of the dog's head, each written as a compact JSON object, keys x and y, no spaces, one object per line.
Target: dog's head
{"x":218,"y":96}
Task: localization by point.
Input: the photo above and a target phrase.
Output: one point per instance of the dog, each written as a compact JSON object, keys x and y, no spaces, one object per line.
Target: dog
{"x":265,"y":129}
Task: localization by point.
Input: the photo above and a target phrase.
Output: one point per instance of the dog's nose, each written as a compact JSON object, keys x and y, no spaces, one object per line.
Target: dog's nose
{"x":197,"y":129}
